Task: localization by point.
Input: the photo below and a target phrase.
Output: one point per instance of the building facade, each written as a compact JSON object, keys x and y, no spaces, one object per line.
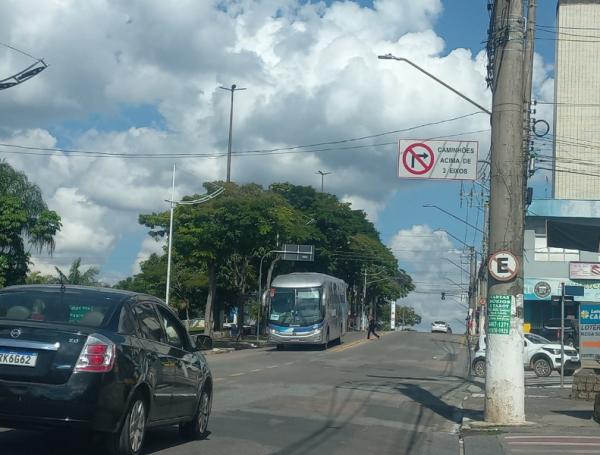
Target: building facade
{"x":577,"y":98}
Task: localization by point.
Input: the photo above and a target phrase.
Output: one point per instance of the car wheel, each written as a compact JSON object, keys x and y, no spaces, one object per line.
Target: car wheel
{"x":130,"y":438}
{"x":197,"y":427}
{"x":542,"y":368}
{"x":479,"y":368}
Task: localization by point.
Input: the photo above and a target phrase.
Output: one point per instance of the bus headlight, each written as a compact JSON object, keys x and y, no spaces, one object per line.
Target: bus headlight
{"x":318,"y":331}
{"x":272,"y":331}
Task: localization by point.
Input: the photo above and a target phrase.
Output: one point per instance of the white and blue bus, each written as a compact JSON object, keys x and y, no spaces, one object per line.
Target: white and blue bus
{"x":307,"y":308}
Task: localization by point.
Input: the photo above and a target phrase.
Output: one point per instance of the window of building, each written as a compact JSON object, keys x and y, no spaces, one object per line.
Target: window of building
{"x":545,"y":253}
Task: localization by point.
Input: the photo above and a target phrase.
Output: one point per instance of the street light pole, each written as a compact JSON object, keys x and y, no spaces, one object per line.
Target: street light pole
{"x":232,"y":90}
{"x":170,"y":239}
{"x":323,"y":174}
{"x":439,"y":81}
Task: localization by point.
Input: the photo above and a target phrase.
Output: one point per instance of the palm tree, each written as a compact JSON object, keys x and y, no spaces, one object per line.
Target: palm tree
{"x":25,"y":223}
{"x":87,"y":278}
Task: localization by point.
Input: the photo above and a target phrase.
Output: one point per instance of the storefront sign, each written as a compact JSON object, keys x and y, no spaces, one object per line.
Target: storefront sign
{"x":498,"y":313}
{"x":584,"y":270}
{"x":591,"y":288}
{"x":589,"y":332}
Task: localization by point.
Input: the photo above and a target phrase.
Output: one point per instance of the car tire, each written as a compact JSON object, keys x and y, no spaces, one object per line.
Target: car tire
{"x":542,"y":368}
{"x":197,"y":428}
{"x":479,"y":368}
{"x":129,"y":440}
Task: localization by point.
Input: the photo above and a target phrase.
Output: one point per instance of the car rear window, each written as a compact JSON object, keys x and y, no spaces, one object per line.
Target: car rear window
{"x":85,"y":308}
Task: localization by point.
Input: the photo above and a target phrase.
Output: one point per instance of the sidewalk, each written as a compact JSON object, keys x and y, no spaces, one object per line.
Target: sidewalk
{"x":556,"y":424}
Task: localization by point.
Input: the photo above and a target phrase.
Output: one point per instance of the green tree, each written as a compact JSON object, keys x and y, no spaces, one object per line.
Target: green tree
{"x":38,"y":278}
{"x":227,"y":236}
{"x":77,"y":277}
{"x":406,"y":315}
{"x":25,"y":222}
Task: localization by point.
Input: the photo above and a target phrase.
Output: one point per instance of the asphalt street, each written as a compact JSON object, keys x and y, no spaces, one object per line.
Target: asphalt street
{"x":399,"y":394}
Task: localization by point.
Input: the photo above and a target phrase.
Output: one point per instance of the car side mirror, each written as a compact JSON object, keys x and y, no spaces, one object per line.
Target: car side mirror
{"x":525,"y":343}
{"x":203,"y":342}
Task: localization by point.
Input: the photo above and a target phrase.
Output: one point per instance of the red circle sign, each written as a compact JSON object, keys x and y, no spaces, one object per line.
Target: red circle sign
{"x":415,"y":162}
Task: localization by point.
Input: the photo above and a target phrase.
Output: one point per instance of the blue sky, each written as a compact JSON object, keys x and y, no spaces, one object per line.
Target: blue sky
{"x":144,"y":78}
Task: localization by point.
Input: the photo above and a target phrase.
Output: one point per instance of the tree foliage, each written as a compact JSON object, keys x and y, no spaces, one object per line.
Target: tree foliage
{"x":217,"y":246}
{"x":406,"y":315}
{"x":77,"y":277}
{"x":25,"y":222}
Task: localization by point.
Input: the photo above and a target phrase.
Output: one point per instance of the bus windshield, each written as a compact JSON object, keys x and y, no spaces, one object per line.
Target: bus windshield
{"x":296,"y":306}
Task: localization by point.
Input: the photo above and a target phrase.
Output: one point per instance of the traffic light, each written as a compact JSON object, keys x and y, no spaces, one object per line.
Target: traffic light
{"x":443,"y":296}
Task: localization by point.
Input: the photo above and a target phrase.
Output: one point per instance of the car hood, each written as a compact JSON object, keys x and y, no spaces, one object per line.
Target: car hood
{"x":556,"y":346}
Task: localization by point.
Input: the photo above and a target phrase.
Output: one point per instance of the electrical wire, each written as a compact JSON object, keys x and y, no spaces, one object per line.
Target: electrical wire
{"x":45,"y":151}
{"x":20,"y":51}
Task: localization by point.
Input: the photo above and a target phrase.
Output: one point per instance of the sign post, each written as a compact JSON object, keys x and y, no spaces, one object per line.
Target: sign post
{"x":443,"y":160}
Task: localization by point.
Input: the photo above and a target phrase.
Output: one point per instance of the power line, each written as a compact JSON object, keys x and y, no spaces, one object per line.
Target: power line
{"x":45,"y":151}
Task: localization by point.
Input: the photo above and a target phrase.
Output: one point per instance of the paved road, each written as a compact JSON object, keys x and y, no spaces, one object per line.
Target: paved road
{"x":395,"y":395}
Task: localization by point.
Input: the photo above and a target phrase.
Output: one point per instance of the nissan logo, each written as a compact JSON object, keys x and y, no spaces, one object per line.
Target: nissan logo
{"x":16,"y":333}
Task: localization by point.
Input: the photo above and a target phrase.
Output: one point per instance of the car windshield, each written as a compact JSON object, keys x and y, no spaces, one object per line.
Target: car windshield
{"x":71,"y":306}
{"x":296,"y":306}
{"x":439,"y":323}
{"x":536,"y":339}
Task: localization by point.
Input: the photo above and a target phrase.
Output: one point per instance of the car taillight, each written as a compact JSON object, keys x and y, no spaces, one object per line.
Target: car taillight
{"x":97,"y":355}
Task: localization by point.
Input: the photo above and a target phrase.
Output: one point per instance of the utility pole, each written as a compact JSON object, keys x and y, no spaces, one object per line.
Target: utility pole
{"x":527,"y":86}
{"x":323,"y":174}
{"x":232,"y":90}
{"x":472,"y":289}
{"x":505,"y":387}
{"x":362,"y":312}
{"x":172,"y":201}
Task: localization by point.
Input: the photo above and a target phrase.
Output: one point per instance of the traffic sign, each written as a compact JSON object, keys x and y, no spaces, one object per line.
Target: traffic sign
{"x":418,"y":158}
{"x":503,"y":265}
{"x":447,"y":160}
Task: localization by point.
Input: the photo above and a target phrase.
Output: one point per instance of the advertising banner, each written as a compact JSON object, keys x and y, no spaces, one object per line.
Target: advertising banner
{"x":589,"y":332}
{"x":584,"y":270}
{"x":498,"y":313}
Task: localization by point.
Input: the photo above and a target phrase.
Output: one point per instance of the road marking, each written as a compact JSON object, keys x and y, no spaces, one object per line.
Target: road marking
{"x":237,"y":374}
{"x":273,"y":366}
{"x":217,"y":379}
{"x":289,"y":363}
{"x":256,"y":371}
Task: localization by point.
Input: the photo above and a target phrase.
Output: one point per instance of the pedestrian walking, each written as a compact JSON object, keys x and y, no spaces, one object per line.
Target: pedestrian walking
{"x":371,"y":328}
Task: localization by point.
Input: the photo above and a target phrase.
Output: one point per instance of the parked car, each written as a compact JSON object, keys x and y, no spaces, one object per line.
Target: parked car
{"x":551,"y":331}
{"x":539,"y":354}
{"x":114,"y":362}
{"x":440,"y":327}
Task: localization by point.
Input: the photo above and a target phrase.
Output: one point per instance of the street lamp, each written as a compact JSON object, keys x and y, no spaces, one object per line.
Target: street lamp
{"x":173,"y":202}
{"x":323,"y":174}
{"x":232,"y":90}
{"x":439,"y":81}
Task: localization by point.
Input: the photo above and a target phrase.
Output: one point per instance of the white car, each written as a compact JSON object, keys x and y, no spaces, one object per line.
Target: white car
{"x":539,"y":354}
{"x":440,"y":327}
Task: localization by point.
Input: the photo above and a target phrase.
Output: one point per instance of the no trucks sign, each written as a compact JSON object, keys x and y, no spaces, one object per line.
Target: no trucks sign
{"x":443,"y":160}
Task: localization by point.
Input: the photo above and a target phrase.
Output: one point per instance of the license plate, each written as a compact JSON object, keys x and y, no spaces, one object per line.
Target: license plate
{"x":18,"y":359}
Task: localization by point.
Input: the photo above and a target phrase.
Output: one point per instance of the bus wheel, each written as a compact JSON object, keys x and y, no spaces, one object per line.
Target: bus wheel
{"x":326,"y":344}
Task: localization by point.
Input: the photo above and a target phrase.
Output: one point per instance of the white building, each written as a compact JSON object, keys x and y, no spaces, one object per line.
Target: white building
{"x":577,"y":98}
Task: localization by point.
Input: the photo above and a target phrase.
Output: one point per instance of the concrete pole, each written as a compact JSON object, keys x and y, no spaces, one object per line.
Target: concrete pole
{"x":230,"y":134}
{"x":362,"y":312}
{"x":170,"y":239}
{"x":527,"y":86}
{"x":505,"y":382}
{"x":472,"y":289}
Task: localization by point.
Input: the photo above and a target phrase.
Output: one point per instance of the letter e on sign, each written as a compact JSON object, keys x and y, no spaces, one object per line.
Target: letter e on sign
{"x":503,"y":265}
